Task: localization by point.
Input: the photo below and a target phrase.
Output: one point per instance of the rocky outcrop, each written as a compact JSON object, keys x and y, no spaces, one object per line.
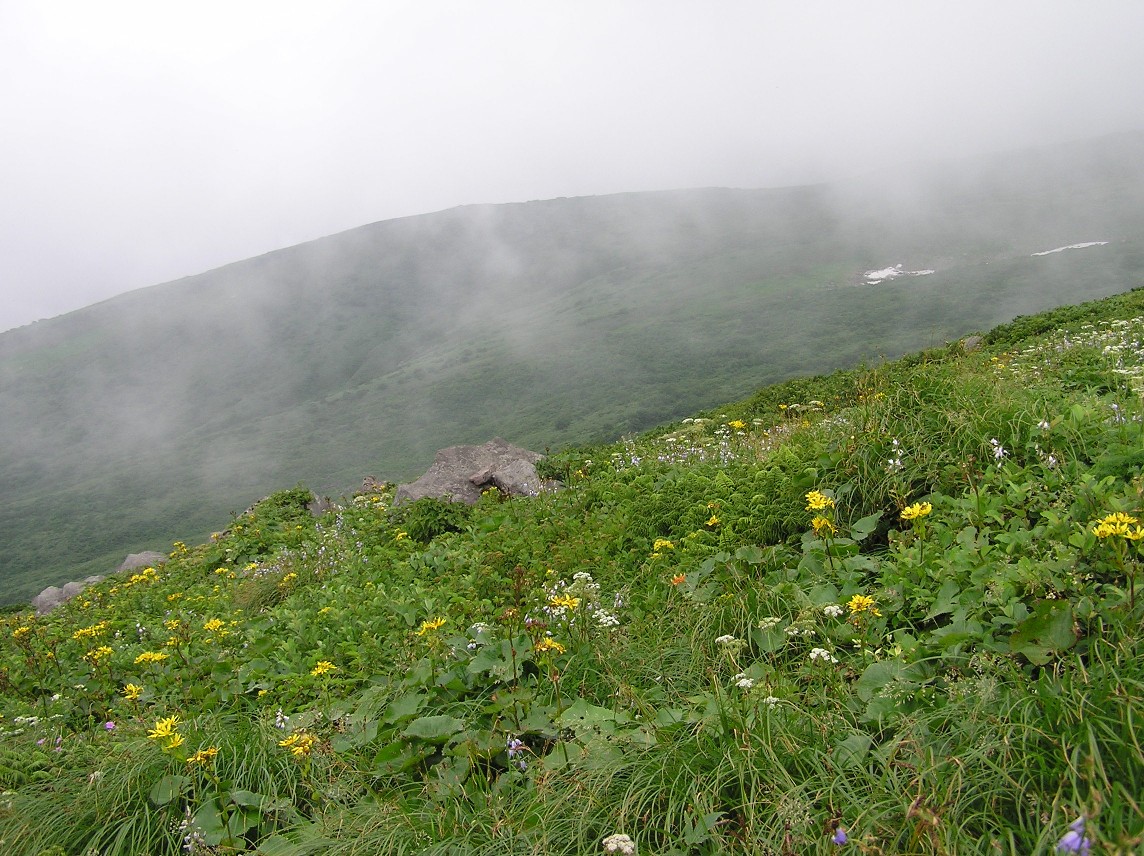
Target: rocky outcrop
{"x":53,"y":596}
{"x":461,"y":473}
{"x":141,"y":560}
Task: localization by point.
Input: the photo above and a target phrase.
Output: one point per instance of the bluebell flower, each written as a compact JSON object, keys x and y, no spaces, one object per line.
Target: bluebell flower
{"x":840,"y":836}
{"x":1075,"y":841}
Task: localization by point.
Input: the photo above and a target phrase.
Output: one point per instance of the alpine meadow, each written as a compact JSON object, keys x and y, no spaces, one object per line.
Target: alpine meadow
{"x":843,"y":556}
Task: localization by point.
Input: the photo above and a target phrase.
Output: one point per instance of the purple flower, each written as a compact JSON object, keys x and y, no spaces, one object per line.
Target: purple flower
{"x":109,"y":726}
{"x":515,"y":747}
{"x":1075,"y":841}
{"x":840,"y":836}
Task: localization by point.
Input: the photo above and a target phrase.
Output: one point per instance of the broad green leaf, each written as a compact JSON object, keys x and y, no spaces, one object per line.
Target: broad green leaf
{"x":168,"y":788}
{"x":434,"y":728}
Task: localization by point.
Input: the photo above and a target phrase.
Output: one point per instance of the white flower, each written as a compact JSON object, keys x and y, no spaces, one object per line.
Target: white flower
{"x":769,"y":623}
{"x":1044,"y":425}
{"x":823,"y":655}
{"x":832,"y":610}
{"x":998,"y":450}
{"x":771,"y":701}
{"x":726,"y":639}
{"x":745,"y":683}
{"x":619,"y":843}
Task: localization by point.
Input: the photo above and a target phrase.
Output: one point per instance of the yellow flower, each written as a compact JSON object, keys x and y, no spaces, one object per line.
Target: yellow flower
{"x":203,"y":756}
{"x":21,"y":632}
{"x":214,"y":625}
{"x":172,"y":624}
{"x":173,"y":742}
{"x":822,"y":526}
{"x":400,"y":535}
{"x":916,"y":511}
{"x":1116,"y":524}
{"x":98,"y":655}
{"x":548,"y":644}
{"x":737,"y":424}
{"x":662,"y":544}
{"x":713,"y":520}
{"x":164,"y":728}
{"x":91,"y":632}
{"x":300,"y":743}
{"x":564,"y":601}
{"x":151,"y":657}
{"x":861,"y":603}
{"x":131,"y":692}
{"x":428,"y":625}
{"x":818,"y":501}
{"x":322,"y":668}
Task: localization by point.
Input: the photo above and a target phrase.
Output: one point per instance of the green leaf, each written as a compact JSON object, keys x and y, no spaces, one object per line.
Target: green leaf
{"x":861,"y":529}
{"x":852,"y":751}
{"x":168,"y":788}
{"x":404,"y":707}
{"x":435,"y":729}
{"x":876,"y":676}
{"x":1048,"y":631}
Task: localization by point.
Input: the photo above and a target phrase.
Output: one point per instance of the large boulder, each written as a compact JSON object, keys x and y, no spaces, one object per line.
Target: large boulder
{"x":47,"y":600}
{"x":461,"y":473}
{"x":141,"y":560}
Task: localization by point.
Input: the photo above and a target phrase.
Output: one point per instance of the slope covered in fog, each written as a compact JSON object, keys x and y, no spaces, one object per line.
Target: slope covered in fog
{"x":129,"y":424}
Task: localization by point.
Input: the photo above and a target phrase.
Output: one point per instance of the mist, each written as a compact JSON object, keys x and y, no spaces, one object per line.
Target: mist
{"x":146,"y":143}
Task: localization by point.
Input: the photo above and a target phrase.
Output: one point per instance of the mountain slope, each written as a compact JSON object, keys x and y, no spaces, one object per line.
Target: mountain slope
{"x":131,"y":422}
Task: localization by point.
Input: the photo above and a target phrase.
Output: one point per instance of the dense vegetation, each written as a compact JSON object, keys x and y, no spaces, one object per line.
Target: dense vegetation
{"x":885,"y":610}
{"x":151,"y":416}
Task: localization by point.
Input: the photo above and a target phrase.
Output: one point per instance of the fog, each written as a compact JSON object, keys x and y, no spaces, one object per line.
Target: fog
{"x":145,"y":142}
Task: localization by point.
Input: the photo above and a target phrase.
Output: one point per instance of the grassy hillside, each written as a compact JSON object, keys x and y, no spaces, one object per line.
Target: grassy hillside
{"x":884,"y":610}
{"x":151,"y":416}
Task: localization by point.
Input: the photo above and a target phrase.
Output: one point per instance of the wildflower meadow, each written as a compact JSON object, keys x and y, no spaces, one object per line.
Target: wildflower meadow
{"x":893,"y":609}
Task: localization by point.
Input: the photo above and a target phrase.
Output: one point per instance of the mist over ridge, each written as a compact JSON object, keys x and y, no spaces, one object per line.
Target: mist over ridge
{"x":146,"y":418}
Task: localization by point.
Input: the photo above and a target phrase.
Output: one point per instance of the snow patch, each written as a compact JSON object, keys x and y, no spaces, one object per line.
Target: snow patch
{"x":873,"y":277}
{"x":1073,"y":247}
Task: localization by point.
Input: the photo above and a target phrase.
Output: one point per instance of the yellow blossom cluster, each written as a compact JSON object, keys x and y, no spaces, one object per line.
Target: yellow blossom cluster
{"x":548,"y":644}
{"x":1118,"y":524}
{"x":132,"y":692}
{"x":818,"y":501}
{"x":166,"y":733}
{"x":300,"y":743}
{"x":429,"y":625}
{"x":917,"y":511}
{"x":149,"y":657}
{"x":147,"y":575}
{"x":822,"y":526}
{"x":323,"y":667}
{"x":564,"y":600}
{"x":203,"y":756}
{"x":98,"y":655}
{"x":215,"y":625}
{"x":862,"y":604}
{"x":91,"y":632}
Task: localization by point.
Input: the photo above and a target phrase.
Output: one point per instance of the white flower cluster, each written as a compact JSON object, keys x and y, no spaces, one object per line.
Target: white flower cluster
{"x":619,"y":843}
{"x":823,"y":655}
{"x":725,"y":639}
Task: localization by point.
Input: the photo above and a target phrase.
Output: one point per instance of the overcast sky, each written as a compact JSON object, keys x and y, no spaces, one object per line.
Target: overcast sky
{"x":145,"y":141}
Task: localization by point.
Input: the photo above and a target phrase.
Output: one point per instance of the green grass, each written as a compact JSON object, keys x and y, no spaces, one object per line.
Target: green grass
{"x":684,"y":655}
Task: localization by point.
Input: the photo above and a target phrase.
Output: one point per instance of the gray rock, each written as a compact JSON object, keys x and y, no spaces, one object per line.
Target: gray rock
{"x":141,"y":560}
{"x":72,"y":589}
{"x":460,"y":473}
{"x":47,"y":600}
